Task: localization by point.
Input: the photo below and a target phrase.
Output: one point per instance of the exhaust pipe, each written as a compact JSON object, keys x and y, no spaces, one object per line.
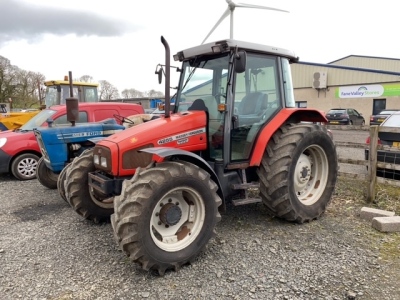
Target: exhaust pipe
{"x":72,"y":104}
{"x":167,"y":103}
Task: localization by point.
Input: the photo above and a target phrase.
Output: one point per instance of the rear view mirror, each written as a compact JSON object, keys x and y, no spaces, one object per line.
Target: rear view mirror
{"x":240,"y":62}
{"x":159,"y":72}
{"x":160,"y":76}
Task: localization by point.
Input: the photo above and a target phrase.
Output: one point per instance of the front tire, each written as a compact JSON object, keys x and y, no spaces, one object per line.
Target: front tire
{"x":166,"y":215}
{"x":78,"y":194}
{"x":46,"y":176}
{"x":298,"y":172}
{"x":61,"y":182}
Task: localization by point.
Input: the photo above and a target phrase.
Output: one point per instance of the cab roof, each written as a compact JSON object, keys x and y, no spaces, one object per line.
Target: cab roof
{"x":229,"y":44}
{"x":64,"y":82}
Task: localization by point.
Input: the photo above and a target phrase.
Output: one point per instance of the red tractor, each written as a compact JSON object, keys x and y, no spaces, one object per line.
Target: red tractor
{"x":164,"y":182}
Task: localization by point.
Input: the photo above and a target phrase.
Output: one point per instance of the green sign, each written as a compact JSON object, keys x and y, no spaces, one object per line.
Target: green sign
{"x":368,"y":91}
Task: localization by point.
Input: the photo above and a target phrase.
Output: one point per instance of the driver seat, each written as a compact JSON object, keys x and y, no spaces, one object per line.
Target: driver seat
{"x":252,"y":103}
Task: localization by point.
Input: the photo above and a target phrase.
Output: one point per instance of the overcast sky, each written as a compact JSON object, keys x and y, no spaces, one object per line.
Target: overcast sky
{"x":119,"y":40}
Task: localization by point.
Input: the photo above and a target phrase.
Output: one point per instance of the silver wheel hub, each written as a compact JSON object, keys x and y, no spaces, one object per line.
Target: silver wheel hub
{"x":27,"y":167}
{"x":177,"y":219}
{"x":311,"y":175}
{"x":303,"y":171}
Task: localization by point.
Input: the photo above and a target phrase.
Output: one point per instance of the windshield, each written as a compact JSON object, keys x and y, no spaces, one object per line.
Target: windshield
{"x":387,"y":112}
{"x":337,"y":111}
{"x":205,"y":80}
{"x":54,"y":97}
{"x":392,"y":121}
{"x":38,"y":120}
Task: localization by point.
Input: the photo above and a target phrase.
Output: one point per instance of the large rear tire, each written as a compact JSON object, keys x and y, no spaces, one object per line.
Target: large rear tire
{"x":78,"y":194}
{"x":46,"y":176}
{"x":61,"y":182}
{"x":166,"y":215}
{"x":298,"y":172}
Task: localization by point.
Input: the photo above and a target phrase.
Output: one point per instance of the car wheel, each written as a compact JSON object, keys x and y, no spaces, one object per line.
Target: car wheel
{"x":24,"y":166}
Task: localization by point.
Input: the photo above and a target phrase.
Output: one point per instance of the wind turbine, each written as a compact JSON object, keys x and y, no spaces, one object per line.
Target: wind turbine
{"x":231,"y":7}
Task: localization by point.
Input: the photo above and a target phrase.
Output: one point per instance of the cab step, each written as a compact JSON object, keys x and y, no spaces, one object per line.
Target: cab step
{"x":251,"y":189}
{"x":245,"y":201}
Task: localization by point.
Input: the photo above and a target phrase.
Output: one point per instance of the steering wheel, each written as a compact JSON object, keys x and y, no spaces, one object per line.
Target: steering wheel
{"x":122,"y":119}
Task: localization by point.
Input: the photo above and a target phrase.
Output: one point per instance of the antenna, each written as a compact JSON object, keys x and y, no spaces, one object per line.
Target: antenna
{"x":231,"y":7}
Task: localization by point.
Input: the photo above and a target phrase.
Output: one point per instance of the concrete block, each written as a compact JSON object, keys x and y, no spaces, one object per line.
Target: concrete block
{"x":386,"y":224}
{"x":369,"y":213}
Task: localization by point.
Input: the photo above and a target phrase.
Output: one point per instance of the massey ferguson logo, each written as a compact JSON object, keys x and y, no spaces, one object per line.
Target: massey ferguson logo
{"x":182,"y":137}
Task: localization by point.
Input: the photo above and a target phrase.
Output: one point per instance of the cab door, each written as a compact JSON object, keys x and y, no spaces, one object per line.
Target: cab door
{"x":257,"y":98}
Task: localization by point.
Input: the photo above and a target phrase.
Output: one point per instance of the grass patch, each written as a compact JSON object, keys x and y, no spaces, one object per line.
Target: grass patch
{"x":353,"y":192}
{"x":387,"y":197}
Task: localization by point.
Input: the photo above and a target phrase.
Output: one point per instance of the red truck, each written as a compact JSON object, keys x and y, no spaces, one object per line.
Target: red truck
{"x":19,"y":150}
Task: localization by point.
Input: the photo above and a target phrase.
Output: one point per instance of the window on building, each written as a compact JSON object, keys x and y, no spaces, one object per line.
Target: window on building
{"x":301,"y":104}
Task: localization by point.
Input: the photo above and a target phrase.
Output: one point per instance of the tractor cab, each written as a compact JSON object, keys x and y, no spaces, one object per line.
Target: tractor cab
{"x":58,"y":90}
{"x":241,"y":86}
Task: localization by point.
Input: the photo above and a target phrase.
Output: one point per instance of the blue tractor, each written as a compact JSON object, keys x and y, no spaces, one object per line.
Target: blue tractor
{"x":60,"y":145}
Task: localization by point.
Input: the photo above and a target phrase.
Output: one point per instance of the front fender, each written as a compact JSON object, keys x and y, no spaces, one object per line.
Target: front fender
{"x":167,"y":153}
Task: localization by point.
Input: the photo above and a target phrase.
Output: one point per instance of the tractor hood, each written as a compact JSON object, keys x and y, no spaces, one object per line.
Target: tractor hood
{"x":158,"y":130}
{"x":121,"y":151}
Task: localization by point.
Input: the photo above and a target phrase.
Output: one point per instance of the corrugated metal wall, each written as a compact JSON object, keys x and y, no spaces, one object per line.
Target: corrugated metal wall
{"x":375,"y":63}
{"x":303,"y":76}
{"x":340,"y":75}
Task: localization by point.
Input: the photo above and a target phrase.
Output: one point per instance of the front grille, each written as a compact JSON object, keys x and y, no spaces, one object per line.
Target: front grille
{"x":41,"y":145}
{"x":133,"y":158}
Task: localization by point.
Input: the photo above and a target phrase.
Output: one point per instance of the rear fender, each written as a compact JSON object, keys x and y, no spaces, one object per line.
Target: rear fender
{"x":285,"y":116}
{"x":167,"y":153}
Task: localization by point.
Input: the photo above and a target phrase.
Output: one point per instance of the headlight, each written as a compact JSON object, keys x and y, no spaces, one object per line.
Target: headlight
{"x":3,"y":141}
{"x":103,"y":162}
{"x":102,"y":158}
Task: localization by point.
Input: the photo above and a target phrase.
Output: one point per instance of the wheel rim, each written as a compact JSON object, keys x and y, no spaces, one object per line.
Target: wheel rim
{"x":177,"y":219}
{"x":311,"y":175}
{"x":27,"y":167}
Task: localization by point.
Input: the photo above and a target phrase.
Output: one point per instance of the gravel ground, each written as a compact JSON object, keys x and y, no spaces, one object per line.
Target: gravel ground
{"x":48,"y":252}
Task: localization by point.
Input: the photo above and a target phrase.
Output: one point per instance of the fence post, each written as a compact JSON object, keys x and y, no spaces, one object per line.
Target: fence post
{"x":373,"y":149}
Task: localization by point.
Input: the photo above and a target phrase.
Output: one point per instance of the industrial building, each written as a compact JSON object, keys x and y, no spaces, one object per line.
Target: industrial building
{"x":367,"y":84}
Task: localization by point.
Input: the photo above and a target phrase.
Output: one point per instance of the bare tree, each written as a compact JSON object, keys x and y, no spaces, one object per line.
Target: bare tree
{"x":21,"y":86}
{"x":107,"y":91}
{"x":86,"y":78}
{"x":8,"y":80}
{"x":27,"y":89}
{"x":153,"y":93}
{"x":131,"y":93}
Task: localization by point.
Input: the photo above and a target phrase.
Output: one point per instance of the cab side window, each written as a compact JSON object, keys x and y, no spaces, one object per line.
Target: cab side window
{"x":90,"y":94}
{"x":62,"y":120}
{"x":102,"y":114}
